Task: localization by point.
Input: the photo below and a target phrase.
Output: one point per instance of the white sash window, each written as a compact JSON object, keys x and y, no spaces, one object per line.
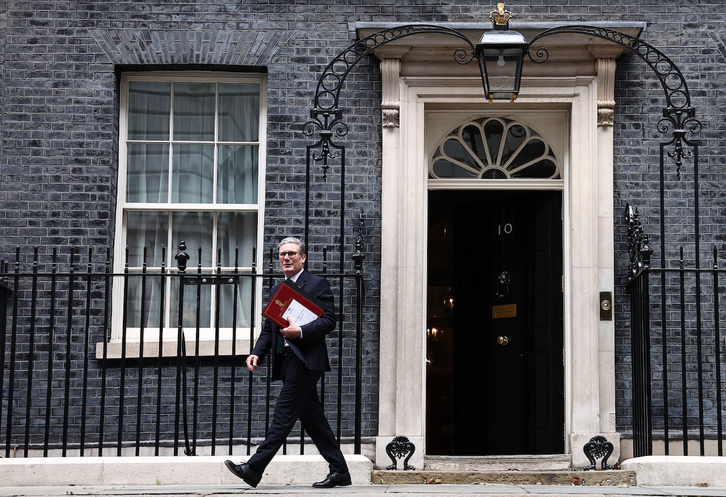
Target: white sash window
{"x":191,"y":155}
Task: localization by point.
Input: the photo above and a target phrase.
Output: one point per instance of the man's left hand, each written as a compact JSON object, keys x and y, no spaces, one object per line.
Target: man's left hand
{"x":292,"y":331}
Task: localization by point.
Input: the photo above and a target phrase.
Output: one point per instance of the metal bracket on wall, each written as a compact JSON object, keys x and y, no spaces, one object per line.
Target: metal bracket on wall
{"x":598,"y":447}
{"x":400,"y":447}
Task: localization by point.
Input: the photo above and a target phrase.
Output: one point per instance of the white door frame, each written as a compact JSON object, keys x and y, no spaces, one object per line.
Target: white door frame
{"x":587,"y":244}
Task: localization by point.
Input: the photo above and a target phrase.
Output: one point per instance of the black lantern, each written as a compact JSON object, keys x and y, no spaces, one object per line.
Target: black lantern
{"x":501,"y":53}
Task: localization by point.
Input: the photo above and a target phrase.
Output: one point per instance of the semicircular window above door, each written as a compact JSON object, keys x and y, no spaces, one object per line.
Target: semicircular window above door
{"x":494,"y":148}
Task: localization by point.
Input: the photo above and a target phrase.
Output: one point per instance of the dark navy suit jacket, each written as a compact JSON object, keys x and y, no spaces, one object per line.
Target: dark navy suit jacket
{"x":311,"y":348}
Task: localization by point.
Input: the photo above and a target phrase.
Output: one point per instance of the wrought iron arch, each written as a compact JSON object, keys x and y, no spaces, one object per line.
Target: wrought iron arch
{"x":326,"y":117}
{"x":678,"y":114}
{"x":331,"y":81}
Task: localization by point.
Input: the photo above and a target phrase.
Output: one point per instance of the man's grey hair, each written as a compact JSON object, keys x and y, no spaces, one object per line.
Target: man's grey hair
{"x":291,"y":239}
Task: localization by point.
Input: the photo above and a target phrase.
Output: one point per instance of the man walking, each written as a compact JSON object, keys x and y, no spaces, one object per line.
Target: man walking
{"x":300,"y":363}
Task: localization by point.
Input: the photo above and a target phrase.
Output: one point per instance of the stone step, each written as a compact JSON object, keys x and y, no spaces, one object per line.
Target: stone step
{"x":554,"y":462}
{"x":585,"y":478}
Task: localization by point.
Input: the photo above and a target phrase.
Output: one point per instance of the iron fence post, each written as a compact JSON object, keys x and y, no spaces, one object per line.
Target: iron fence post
{"x":181,"y":257}
{"x":358,"y":258}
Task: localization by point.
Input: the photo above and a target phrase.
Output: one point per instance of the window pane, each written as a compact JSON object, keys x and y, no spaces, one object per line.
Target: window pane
{"x":147,"y":177}
{"x":236,"y":229}
{"x":472,"y":137}
{"x":239,"y":112}
{"x":195,"y":228}
{"x":456,"y":150}
{"x":146,"y":229}
{"x":144,"y":301}
{"x":244,"y":304}
{"x":190,"y":313}
{"x":534,"y":149}
{"x":149,"y":105}
{"x":237,"y":174}
{"x":193,"y":174}
{"x":442,"y":168}
{"x":515,"y":137}
{"x":194,"y":111}
{"x":542,"y":169}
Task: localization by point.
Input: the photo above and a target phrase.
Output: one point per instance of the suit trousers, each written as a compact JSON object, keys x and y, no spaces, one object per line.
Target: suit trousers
{"x":299,"y":399}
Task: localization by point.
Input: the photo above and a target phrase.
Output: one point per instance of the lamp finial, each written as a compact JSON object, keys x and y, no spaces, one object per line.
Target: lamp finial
{"x":500,"y":17}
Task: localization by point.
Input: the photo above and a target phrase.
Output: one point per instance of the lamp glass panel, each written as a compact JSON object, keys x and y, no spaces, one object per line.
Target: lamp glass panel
{"x":502,"y":68}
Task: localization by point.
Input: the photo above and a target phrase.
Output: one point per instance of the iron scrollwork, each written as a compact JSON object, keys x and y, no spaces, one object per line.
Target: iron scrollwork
{"x":397,"y":448}
{"x":639,"y":248}
{"x":358,"y":256}
{"x":331,"y":81}
{"x":326,"y":116}
{"x":678,"y":115}
{"x":598,"y":447}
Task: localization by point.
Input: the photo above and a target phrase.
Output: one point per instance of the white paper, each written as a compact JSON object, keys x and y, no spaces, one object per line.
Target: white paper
{"x":299,"y":314}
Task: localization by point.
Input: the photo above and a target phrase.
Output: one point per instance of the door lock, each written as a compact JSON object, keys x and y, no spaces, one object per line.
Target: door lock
{"x":502,"y":340}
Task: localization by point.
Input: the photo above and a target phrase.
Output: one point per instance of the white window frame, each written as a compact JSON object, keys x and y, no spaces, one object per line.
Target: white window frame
{"x":207,"y":342}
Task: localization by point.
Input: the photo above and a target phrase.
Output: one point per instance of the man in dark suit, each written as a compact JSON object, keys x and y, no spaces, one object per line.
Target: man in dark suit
{"x":302,"y":359}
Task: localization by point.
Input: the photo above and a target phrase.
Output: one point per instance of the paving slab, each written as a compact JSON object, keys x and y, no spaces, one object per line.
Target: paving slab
{"x":452,"y":490}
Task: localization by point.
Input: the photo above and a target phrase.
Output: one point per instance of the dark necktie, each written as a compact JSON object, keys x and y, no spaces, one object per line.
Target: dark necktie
{"x":279,"y":343}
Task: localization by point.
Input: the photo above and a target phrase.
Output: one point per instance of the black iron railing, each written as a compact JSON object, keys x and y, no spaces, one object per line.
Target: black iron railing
{"x":86,"y":371}
{"x":677,"y":350}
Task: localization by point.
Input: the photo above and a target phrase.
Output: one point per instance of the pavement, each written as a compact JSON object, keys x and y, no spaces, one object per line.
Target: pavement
{"x":490,"y":490}
{"x":293,"y":474}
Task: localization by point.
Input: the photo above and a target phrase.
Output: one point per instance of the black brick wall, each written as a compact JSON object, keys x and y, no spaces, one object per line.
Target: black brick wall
{"x":692,"y":36}
{"x":59,"y":64}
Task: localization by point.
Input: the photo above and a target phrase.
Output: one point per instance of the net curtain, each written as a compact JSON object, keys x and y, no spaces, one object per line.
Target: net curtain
{"x":172,"y":135}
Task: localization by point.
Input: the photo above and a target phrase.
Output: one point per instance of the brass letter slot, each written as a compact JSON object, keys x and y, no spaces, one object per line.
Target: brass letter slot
{"x":504,"y":311}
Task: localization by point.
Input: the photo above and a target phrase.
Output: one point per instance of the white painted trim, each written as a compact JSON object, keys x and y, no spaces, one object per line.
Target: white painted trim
{"x":403,"y":251}
{"x":496,"y":184}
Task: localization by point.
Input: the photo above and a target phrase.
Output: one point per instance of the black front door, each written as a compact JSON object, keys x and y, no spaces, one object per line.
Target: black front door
{"x":495,"y":372}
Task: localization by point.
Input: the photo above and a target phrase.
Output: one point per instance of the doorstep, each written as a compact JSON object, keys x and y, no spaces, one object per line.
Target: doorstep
{"x":585,"y":478}
{"x":546,"y":462}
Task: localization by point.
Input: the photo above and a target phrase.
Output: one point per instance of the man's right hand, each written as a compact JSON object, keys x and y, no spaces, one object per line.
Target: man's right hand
{"x":252,"y":362}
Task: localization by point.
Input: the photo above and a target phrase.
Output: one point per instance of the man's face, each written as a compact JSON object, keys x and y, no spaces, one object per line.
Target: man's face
{"x":291,"y":263}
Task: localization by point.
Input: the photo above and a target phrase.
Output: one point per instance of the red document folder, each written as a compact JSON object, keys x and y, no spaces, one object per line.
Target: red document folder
{"x":290,"y":298}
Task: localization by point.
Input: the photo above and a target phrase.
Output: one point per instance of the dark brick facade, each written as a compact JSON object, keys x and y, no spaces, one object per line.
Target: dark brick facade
{"x":691,"y":35}
{"x":59,"y":68}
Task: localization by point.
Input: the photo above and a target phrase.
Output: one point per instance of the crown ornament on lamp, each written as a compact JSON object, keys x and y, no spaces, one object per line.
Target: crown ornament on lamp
{"x":500,"y":17}
{"x":501,"y":54}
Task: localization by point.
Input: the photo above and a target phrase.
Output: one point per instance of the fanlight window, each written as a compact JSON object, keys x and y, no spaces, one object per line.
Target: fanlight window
{"x":494,"y":148}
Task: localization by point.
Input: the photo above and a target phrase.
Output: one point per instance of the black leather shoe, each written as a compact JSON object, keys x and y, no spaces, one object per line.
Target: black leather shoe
{"x":334,"y":480}
{"x":245,"y":471}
